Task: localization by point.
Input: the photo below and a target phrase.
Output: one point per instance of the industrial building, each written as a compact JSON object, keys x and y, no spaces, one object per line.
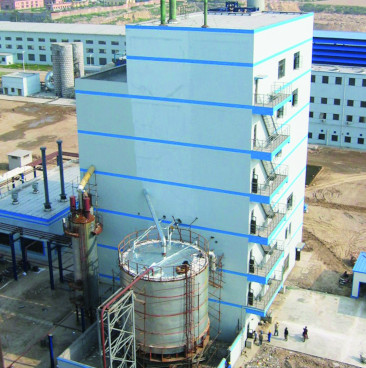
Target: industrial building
{"x":338,"y":90}
{"x":33,"y":41}
{"x":21,"y":84}
{"x":207,"y":125}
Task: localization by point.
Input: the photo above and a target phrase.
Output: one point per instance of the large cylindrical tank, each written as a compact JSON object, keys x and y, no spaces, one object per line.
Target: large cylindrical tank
{"x":78,"y":55}
{"x":171,"y":304}
{"x":257,"y":4}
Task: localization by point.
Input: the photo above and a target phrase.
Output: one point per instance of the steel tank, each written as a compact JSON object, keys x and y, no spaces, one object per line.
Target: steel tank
{"x":171,"y":304}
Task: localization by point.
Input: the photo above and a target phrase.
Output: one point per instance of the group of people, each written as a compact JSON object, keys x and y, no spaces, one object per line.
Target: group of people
{"x":259,"y":336}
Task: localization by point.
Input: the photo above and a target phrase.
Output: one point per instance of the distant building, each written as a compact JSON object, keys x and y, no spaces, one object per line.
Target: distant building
{"x":338,"y":90}
{"x":21,"y":84}
{"x":58,"y":5}
{"x":21,"y":4}
{"x":6,"y":58}
{"x":19,"y":158}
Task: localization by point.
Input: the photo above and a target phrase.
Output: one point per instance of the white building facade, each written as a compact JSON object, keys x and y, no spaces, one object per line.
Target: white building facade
{"x":33,"y":41}
{"x":21,"y":84}
{"x":213,"y":123}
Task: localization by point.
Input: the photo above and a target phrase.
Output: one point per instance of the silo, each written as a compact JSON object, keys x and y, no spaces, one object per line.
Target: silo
{"x":63,"y":69}
{"x":78,"y":57}
{"x":171,"y":302}
{"x":56,"y":68}
{"x":260,"y":4}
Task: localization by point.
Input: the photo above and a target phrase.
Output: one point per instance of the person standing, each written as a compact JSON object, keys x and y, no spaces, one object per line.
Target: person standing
{"x":260,"y":338}
{"x":269,"y":336}
{"x":255,"y":337}
{"x":286,"y":333}
{"x":276,"y":329}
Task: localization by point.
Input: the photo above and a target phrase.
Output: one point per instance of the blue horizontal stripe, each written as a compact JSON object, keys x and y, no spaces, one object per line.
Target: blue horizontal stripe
{"x":107,"y":246}
{"x":226,"y":303}
{"x":294,"y":115}
{"x":109,"y":277}
{"x":293,"y":81}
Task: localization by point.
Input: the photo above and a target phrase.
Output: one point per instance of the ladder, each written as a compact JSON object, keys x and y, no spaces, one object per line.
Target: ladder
{"x":189,"y":311}
{"x":268,"y":210}
{"x":270,"y":125}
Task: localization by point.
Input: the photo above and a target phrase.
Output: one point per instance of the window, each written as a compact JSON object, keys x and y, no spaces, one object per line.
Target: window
{"x":77,"y":40}
{"x":325,"y":79}
{"x":41,"y":40}
{"x":295,"y":97}
{"x":290,"y":200}
{"x":323,"y":115}
{"x":29,"y":39}
{"x":360,"y":140}
{"x":296,"y":60}
{"x":363,"y":82}
{"x":324,"y":100}
{"x":351,"y":81}
{"x":19,"y":47}
{"x":102,"y":61}
{"x":53,"y":40}
{"x":4,"y":239}
{"x":337,"y":101}
{"x":347,"y":139}
{"x":12,"y":89}
{"x":31,"y":57}
{"x":42,"y":48}
{"x":311,"y":114}
{"x":321,"y":136}
{"x":9,"y":46}
{"x":102,"y":51}
{"x":349,"y":118}
{"x":19,"y":39}
{"x":42,"y":58}
{"x":8,"y":38}
{"x":90,"y":60}
{"x":334,"y":138}
{"x":310,"y":135}
{"x":114,"y":52}
{"x":33,"y":245}
{"x":286,"y":233}
{"x":338,"y":80}
{"x":335,"y":116}
{"x":90,"y":51}
{"x":286,"y":263}
{"x":20,"y":57}
{"x":281,"y":68}
{"x":349,"y":102}
{"x":361,"y":119}
{"x":115,"y":43}
{"x":280,"y":112}
{"x":312,"y":99}
{"x":101,"y":42}
{"x":362,"y":103}
{"x":313,"y":79}
{"x":89,"y":42}
{"x":30,"y":47}
{"x":64,"y":40}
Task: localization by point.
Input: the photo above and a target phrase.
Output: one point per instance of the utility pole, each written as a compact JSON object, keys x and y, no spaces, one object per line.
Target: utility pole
{"x":2,"y":364}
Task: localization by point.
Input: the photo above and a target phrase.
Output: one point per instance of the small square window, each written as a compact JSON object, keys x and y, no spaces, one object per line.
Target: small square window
{"x":335,"y":116}
{"x":362,"y":103}
{"x":323,"y":115}
{"x":361,"y":119}
{"x":310,"y":135}
{"x":31,"y":57}
{"x":313,"y":79}
{"x":296,"y":60}
{"x":115,"y":43}
{"x":321,"y":136}
{"x":53,"y":40}
{"x":29,"y":39}
{"x":334,"y":138}
{"x":360,"y":140}
{"x":347,"y":139}
{"x":102,"y":51}
{"x":290,"y":200}
{"x":101,"y":42}
{"x":312,"y":99}
{"x":102,"y":61}
{"x":41,"y":39}
{"x":42,"y":58}
{"x":324,"y":100}
{"x":350,"y":102}
{"x":325,"y":79}
{"x":337,"y":101}
{"x":89,"y":42}
{"x":349,"y":118}
{"x":352,"y":81}
{"x":338,"y":80}
{"x":311,"y":114}
{"x":295,"y":97}
{"x":281,"y":68}
{"x":280,"y":112}
{"x":363,"y":82}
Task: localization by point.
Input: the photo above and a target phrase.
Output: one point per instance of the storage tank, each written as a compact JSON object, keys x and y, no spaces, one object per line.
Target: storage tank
{"x":171,"y":304}
{"x":260,"y":4}
{"x":78,"y":56}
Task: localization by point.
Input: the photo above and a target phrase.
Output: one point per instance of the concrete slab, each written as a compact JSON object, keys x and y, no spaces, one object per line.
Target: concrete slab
{"x":336,"y":324}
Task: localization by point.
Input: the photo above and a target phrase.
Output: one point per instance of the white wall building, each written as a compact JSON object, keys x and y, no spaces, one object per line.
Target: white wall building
{"x":33,"y":40}
{"x":21,"y":84}
{"x":6,"y":58}
{"x":213,"y":122}
{"x":19,"y":158}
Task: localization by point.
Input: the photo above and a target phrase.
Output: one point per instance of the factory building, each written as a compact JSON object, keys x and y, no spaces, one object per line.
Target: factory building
{"x":338,"y":90}
{"x":33,"y":41}
{"x":208,"y":126}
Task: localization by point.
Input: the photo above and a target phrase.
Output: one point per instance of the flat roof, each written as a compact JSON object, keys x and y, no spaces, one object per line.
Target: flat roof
{"x":30,"y":207}
{"x":242,"y":21}
{"x":338,"y":69}
{"x":5,"y":54}
{"x":45,"y":28}
{"x":20,"y":153}
{"x":20,"y":75}
{"x":339,"y":34}
{"x":360,"y":265}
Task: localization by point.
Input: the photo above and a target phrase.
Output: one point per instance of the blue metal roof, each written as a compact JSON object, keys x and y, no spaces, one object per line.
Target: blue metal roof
{"x":360,"y":265}
{"x":340,"y":34}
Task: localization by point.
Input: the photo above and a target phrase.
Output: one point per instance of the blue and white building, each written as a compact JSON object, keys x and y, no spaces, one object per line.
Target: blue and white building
{"x":338,"y":90}
{"x":213,"y":122}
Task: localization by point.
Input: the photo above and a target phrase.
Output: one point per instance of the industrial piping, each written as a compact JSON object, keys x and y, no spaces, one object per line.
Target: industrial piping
{"x":157,"y":223}
{"x":47,"y":204}
{"x":162,"y":13}
{"x":86,"y":179}
{"x":172,"y":11}
{"x":61,"y":165}
{"x":205,"y":10}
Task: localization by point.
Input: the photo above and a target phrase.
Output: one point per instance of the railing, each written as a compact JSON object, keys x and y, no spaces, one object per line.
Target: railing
{"x":272,"y":183}
{"x":270,"y":224}
{"x":279,"y":93}
{"x":261,"y":301}
{"x":272,"y":142}
{"x":274,"y":254}
{"x":151,"y":235}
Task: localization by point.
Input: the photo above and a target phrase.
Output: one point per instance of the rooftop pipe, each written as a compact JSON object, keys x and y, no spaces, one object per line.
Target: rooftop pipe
{"x":157,"y":223}
{"x":162,"y":13}
{"x":47,"y":204}
{"x":172,"y":11}
{"x":205,"y":9}
{"x":61,"y":165}
{"x":86,"y":179}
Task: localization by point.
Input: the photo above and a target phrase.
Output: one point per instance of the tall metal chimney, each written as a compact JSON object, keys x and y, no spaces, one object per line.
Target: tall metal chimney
{"x":162,"y":13}
{"x":205,"y":9}
{"x":47,"y":204}
{"x":63,"y":196}
{"x":172,"y":11}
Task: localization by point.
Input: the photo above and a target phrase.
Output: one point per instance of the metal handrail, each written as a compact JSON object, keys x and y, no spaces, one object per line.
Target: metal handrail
{"x":272,"y":142}
{"x":261,"y":302}
{"x":273,"y":182}
{"x":271,"y":224}
{"x":279,"y":93}
{"x":263,"y":270}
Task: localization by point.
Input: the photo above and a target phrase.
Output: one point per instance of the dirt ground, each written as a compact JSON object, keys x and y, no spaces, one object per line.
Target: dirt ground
{"x":29,"y":126}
